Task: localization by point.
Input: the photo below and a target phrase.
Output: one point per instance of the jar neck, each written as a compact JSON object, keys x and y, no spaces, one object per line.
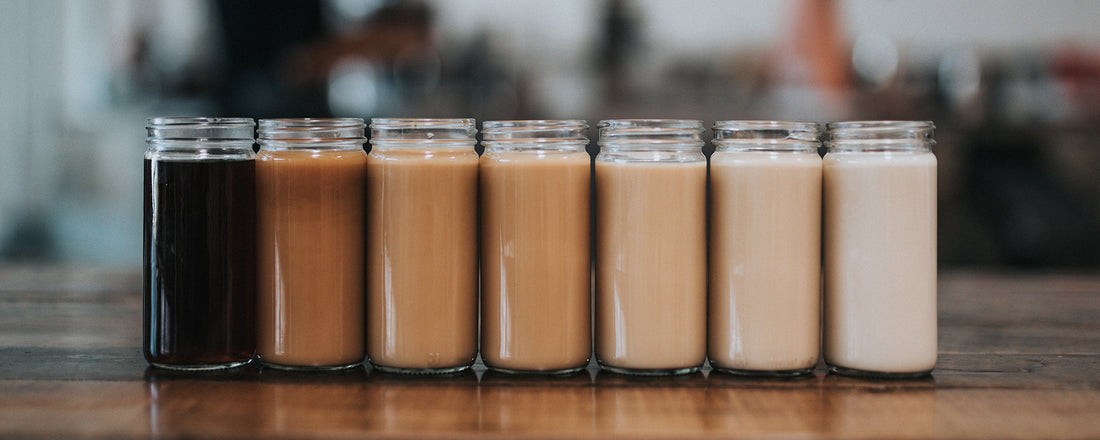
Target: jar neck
{"x":446,"y":133}
{"x":766,"y":136}
{"x":536,"y":135}
{"x":871,"y":136}
{"x":312,"y":134}
{"x":199,"y":138}
{"x":200,"y":129}
{"x":651,"y":135}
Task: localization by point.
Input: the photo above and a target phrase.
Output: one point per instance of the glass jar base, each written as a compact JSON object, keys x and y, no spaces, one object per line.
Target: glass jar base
{"x":562,"y":372}
{"x":765,"y":373}
{"x":851,"y":372}
{"x":649,"y":371}
{"x":420,"y":371}
{"x":202,"y":367}
{"x":305,"y":368}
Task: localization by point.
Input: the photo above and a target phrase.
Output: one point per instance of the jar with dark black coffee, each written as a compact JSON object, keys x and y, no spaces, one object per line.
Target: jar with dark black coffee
{"x":199,"y":244}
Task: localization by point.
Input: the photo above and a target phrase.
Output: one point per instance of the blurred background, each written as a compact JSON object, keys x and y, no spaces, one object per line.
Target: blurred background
{"x":1012,"y":85}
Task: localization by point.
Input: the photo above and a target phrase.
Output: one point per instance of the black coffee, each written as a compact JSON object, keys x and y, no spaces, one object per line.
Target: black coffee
{"x":199,"y":259}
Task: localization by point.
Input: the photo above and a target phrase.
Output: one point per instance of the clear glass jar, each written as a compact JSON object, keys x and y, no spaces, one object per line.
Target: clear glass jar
{"x":880,"y":248}
{"x":310,"y":187}
{"x":422,"y":262}
{"x":651,"y":279}
{"x":535,"y":246}
{"x":199,"y":269}
{"x":765,"y":248}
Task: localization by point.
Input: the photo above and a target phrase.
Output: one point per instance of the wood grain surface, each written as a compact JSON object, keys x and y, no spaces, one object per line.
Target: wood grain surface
{"x":1019,"y":358}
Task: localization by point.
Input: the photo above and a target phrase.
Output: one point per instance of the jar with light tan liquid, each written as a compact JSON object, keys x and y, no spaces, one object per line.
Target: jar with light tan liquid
{"x":651,"y":255}
{"x":765,"y":248}
{"x":880,"y":248}
{"x":535,"y":251}
{"x":310,"y":177}
{"x":422,"y":261}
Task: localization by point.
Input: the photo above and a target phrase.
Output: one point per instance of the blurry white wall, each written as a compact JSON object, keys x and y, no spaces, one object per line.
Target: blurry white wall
{"x":70,"y":148}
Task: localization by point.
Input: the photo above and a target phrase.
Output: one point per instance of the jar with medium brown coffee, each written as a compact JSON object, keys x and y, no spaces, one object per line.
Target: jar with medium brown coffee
{"x":310,"y":177}
{"x":535,"y":253}
{"x":422,"y":272}
{"x":651,"y":255}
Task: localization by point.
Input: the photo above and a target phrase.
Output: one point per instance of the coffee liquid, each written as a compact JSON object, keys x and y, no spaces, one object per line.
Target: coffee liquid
{"x":651,"y":266}
{"x":199,"y":262}
{"x":535,"y":308}
{"x":880,"y":261}
{"x":422,"y":258}
{"x":310,"y":252}
{"x":765,"y":262}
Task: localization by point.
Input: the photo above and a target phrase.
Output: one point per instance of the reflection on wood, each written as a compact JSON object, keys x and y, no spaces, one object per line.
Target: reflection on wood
{"x":1020,"y":359}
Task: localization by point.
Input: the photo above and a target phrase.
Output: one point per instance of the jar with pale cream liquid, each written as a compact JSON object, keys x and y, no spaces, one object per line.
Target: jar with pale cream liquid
{"x":765,"y":248}
{"x":880,"y":248}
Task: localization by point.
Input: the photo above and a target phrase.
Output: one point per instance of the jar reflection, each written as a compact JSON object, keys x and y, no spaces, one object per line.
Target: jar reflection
{"x":762,"y":407}
{"x":560,"y":406}
{"x":629,"y":405}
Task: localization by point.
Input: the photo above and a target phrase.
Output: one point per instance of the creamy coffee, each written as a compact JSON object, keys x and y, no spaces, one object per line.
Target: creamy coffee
{"x":765,"y":265}
{"x":880,"y":254}
{"x":650,"y":263}
{"x":422,"y":254}
{"x":535,"y":301}
{"x":310,"y":256}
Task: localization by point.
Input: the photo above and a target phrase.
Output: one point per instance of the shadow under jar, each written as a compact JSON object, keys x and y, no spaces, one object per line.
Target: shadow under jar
{"x":535,"y":247}
{"x":310,"y":185}
{"x":880,"y":248}
{"x":199,"y":265}
{"x":651,"y":279}
{"x":764,"y":309}
{"x":422,"y":234}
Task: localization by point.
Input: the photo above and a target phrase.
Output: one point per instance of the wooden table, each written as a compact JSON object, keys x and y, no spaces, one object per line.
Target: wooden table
{"x":1020,"y":357}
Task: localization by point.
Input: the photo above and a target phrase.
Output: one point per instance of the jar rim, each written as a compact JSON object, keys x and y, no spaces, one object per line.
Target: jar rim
{"x":615,"y":124}
{"x":563,"y":131}
{"x":763,"y":134}
{"x":311,"y":130}
{"x":879,"y":135}
{"x":418,"y":131}
{"x":535,"y":123}
{"x":420,"y":123}
{"x":185,"y":129}
{"x":651,"y":134}
{"x":880,"y":124}
{"x":165,"y":121}
{"x":764,"y":124}
{"x":897,"y":134}
{"x":272,"y":126}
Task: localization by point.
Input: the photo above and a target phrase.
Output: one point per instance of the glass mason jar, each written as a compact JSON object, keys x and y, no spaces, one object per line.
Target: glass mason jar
{"x":764,"y":309}
{"x":310,"y":187}
{"x":651,"y":270}
{"x":422,"y":266}
{"x":880,"y":248}
{"x":535,"y":246}
{"x":199,"y":265}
